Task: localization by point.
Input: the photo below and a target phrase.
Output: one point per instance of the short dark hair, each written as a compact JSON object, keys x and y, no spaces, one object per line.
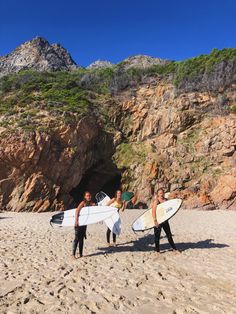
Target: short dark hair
{"x":160,"y":189}
{"x":86,"y":192}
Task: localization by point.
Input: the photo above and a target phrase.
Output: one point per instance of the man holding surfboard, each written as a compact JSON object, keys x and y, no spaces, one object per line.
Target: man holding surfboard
{"x":160,"y":198}
{"x":80,"y":231}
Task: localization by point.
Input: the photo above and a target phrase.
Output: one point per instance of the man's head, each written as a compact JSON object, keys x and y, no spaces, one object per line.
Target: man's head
{"x":160,"y":192}
{"x":87,"y":196}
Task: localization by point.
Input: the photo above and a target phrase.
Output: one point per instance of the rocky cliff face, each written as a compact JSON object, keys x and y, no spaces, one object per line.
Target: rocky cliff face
{"x":138,"y":62}
{"x":183,"y":142}
{"x":39,"y":171}
{"x":39,"y":55}
{"x":142,"y":61}
{"x":170,"y":125}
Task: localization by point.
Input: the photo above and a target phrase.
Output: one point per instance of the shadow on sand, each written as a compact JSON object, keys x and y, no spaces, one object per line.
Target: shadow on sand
{"x":5,"y":218}
{"x":146,"y":244}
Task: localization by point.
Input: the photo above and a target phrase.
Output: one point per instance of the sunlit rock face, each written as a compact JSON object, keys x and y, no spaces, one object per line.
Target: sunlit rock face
{"x":148,"y":122}
{"x":37,"y":54}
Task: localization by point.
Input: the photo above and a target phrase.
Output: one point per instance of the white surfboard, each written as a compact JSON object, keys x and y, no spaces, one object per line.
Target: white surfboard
{"x":164,"y":212}
{"x":88,"y":215}
{"x":113,"y":222}
{"x":102,"y":198}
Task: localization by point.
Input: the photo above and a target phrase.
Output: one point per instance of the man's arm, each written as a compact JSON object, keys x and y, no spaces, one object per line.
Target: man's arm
{"x":77,"y":211}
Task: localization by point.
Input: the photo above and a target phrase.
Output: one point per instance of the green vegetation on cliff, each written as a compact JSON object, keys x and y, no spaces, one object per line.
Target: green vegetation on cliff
{"x":111,"y":80}
{"x":233,"y":109}
{"x":127,"y":157}
{"x":128,"y":154}
{"x":202,"y":64}
{"x":28,"y":86}
{"x":30,"y":99}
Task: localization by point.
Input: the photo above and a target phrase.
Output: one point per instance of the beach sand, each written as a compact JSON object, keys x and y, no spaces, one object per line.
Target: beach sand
{"x":38,"y":276}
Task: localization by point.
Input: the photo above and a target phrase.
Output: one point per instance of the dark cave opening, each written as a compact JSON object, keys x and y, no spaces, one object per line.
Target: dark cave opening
{"x":111,"y":186}
{"x":95,"y":179}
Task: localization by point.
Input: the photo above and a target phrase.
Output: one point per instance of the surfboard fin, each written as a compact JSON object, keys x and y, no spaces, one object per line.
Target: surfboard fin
{"x":51,"y":223}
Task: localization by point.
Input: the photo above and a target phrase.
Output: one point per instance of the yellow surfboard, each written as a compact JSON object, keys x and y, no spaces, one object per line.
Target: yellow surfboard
{"x":164,"y":212}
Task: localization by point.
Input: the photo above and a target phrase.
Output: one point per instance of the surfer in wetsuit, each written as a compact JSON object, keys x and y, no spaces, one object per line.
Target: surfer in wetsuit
{"x":160,"y":198}
{"x":120,"y":205}
{"x":80,"y":231}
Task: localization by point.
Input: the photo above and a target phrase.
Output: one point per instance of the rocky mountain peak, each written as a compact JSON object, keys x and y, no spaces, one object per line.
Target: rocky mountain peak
{"x":100,"y":64}
{"x":142,"y":61}
{"x":39,"y":55}
{"x":38,"y":40}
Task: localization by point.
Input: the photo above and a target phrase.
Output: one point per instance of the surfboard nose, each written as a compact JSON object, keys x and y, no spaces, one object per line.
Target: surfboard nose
{"x":57,"y":219}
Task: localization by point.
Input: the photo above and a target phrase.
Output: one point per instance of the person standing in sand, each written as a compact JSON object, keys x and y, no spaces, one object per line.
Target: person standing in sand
{"x":120,"y":205}
{"x":160,"y":198}
{"x":80,"y":231}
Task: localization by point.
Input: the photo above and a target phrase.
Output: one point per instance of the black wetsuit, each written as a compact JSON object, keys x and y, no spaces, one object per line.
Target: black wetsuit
{"x":157,"y":232}
{"x":109,"y":234}
{"x":80,"y":235}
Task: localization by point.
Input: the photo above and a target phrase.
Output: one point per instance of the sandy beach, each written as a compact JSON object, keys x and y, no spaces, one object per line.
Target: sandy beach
{"x":38,"y":276}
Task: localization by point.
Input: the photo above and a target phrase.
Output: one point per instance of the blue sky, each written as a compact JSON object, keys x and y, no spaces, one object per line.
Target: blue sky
{"x":113,"y":30}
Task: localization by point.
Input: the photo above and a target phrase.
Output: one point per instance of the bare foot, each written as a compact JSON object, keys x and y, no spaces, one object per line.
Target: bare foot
{"x":73,"y":257}
{"x":114,"y":244}
{"x":109,"y":244}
